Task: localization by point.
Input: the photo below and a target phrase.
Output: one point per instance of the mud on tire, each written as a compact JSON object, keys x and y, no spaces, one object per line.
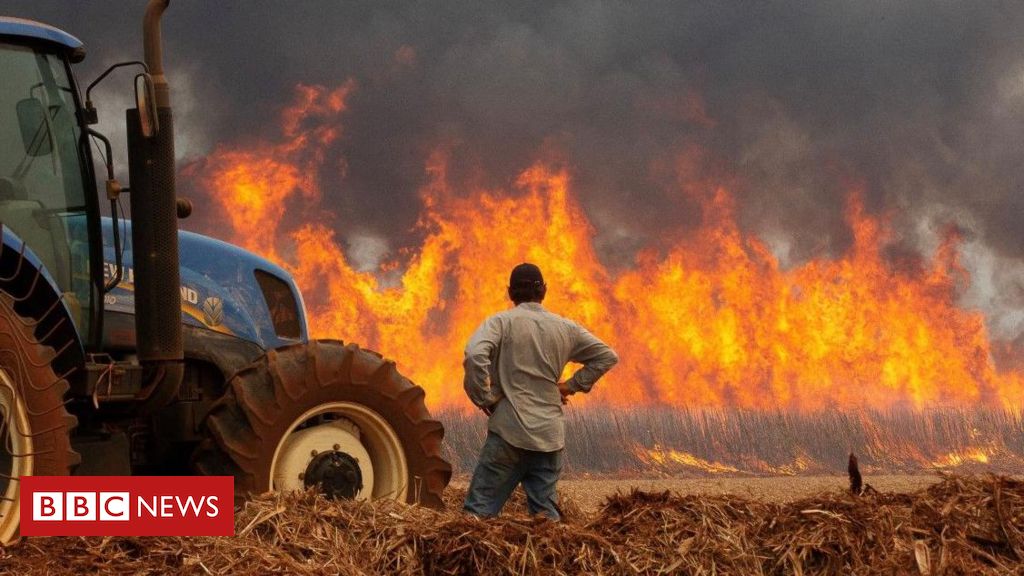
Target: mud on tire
{"x":244,"y":427}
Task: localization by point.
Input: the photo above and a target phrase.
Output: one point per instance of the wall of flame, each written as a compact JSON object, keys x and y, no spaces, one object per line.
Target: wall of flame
{"x":713,"y":320}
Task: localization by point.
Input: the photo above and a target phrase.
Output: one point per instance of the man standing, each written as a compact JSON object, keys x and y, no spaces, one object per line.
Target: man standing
{"x":513,"y":365}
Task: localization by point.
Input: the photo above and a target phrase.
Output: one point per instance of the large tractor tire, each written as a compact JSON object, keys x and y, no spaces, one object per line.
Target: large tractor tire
{"x":327,"y":415}
{"x":35,"y":426}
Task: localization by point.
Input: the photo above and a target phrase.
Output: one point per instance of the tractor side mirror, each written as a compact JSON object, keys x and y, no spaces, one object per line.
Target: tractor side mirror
{"x":145,"y":101}
{"x":35,"y":127}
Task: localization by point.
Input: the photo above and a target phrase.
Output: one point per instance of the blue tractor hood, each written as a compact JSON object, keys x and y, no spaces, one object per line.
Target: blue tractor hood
{"x":223,"y":288}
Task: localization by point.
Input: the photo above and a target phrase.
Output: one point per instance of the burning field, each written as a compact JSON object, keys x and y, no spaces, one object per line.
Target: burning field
{"x":731,"y":361}
{"x":661,"y":442}
{"x":739,"y":356}
{"x":957,"y":526}
{"x":707,"y":318}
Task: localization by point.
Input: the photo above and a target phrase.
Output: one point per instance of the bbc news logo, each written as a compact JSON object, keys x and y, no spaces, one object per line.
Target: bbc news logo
{"x":127,"y":506}
{"x":116,"y":506}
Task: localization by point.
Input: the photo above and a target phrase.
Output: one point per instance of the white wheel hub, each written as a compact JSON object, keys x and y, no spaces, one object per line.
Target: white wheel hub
{"x":16,"y":458}
{"x":349,"y":428}
{"x":300,"y":447}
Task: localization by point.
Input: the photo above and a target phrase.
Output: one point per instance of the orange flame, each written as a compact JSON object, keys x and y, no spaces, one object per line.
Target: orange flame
{"x":961,"y":457}
{"x":712,"y":321}
{"x":671,"y":458}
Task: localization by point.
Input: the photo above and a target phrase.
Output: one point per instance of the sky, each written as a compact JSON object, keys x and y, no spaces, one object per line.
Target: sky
{"x":918,"y":104}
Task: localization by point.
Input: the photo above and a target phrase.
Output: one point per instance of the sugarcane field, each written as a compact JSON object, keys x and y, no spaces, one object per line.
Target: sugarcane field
{"x":509,"y":288}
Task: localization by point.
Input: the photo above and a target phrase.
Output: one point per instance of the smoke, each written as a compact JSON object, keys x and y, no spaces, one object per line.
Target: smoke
{"x":114,"y":97}
{"x":918,"y":104}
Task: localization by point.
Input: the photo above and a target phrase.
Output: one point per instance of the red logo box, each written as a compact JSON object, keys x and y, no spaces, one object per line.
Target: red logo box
{"x":127,"y":506}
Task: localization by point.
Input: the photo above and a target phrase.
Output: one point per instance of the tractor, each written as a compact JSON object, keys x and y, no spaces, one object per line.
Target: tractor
{"x":130,"y":347}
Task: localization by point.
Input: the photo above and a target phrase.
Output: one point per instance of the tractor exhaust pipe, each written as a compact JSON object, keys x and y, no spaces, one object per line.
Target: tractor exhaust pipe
{"x":155,"y":233}
{"x":153,"y":49}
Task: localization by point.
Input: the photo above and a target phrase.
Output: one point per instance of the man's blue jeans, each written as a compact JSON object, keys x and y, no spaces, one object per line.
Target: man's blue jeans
{"x":501,"y":467}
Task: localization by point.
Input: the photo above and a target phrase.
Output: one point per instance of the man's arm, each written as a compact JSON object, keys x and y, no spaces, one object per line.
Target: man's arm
{"x":596,"y":357}
{"x":477,"y":364}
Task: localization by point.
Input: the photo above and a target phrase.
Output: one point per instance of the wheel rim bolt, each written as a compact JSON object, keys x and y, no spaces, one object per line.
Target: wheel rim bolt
{"x":337,"y":447}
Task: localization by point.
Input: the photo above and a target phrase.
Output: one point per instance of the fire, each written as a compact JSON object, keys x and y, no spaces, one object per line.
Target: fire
{"x":712,"y":320}
{"x":671,"y":458}
{"x":961,"y":457}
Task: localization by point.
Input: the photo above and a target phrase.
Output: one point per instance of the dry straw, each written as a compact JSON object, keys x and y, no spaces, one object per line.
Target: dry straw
{"x":961,"y":525}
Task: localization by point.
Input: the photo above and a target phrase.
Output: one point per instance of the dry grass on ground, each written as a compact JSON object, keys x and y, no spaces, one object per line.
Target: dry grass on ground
{"x":959,"y":525}
{"x":591,"y":493}
{"x":588,"y":494}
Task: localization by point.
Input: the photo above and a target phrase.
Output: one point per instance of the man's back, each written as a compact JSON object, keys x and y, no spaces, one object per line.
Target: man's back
{"x":513,"y":364}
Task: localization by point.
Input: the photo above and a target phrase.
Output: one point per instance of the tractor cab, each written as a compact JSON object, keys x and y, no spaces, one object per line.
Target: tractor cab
{"x":47,"y":187}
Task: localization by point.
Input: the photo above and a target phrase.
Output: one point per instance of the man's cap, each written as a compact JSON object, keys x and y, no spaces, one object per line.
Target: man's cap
{"x":525,"y":273}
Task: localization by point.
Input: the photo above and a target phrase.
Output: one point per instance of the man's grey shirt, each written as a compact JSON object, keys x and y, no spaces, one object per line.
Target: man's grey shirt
{"x":513,"y":365}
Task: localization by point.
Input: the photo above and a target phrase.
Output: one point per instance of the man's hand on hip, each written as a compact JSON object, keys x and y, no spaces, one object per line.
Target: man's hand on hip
{"x":563,"y":389}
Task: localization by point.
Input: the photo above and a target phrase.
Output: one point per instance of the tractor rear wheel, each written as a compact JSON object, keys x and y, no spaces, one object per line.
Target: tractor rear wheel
{"x":330,"y":415}
{"x":35,"y":427}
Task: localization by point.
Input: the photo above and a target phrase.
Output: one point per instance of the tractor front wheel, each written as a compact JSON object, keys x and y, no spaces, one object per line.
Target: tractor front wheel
{"x":327,"y":415}
{"x":35,"y":427}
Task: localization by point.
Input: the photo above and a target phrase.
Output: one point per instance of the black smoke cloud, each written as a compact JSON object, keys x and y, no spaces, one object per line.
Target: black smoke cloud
{"x":920,"y":104}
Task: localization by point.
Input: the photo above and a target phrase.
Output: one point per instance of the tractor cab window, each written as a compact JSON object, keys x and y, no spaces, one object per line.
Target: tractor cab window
{"x":42,"y":193}
{"x":284,"y":313}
